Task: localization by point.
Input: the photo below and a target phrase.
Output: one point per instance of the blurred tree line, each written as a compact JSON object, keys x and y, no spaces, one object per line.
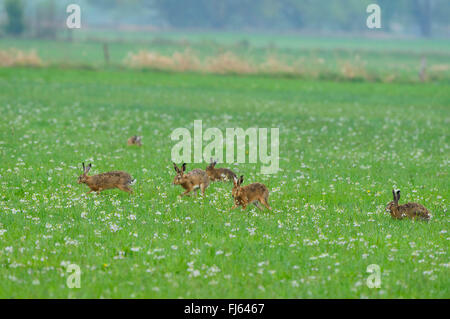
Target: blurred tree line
{"x":43,"y":18}
{"x":410,"y":16}
{"x":39,"y":18}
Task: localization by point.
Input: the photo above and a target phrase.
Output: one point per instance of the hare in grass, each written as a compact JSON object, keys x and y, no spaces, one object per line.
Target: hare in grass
{"x":192,"y":181}
{"x":135,"y":140}
{"x":410,"y":210}
{"x":100,"y":182}
{"x":255,"y":193}
{"x":219,"y":174}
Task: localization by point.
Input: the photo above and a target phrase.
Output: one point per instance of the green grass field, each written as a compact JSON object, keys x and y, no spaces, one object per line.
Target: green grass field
{"x":343,"y":148}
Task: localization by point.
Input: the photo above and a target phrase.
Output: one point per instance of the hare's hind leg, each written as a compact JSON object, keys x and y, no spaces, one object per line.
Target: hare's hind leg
{"x":125,"y":188}
{"x":257,"y":204}
{"x":186,"y":193}
{"x":203,"y":188}
{"x":263,"y":200}
{"x":97,"y":190}
{"x":421,"y":215}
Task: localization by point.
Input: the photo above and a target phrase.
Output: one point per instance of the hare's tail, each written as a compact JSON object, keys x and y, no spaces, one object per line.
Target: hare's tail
{"x":133,"y":181}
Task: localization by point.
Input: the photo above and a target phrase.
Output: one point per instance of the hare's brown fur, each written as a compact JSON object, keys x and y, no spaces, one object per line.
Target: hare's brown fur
{"x":192,"y":181}
{"x":410,"y":210}
{"x":97,"y":183}
{"x":219,"y":174}
{"x":254,"y":193}
{"x":135,"y":140}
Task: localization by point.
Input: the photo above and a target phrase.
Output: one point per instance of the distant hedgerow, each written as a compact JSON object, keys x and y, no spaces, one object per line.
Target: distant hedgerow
{"x":16,"y":57}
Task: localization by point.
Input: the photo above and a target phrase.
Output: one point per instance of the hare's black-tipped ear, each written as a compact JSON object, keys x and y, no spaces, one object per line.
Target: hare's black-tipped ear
{"x":183,"y":168}
{"x":235,"y":181}
{"x":395,"y":196}
{"x":398,"y":195}
{"x":176,"y":168}
{"x":88,"y":168}
{"x":241,"y":179}
{"x":84,"y":168}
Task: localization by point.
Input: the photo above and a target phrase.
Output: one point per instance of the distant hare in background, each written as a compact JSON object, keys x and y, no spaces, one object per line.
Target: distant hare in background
{"x":251,"y":194}
{"x":135,"y":140}
{"x":194,"y":180}
{"x":219,"y":174}
{"x":411,"y":210}
{"x":100,"y":182}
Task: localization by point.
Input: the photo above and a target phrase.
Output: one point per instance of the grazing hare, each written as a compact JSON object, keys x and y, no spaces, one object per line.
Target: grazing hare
{"x":100,"y":182}
{"x":219,"y":174}
{"x":411,"y":210}
{"x":135,"y":140}
{"x":254,"y":193}
{"x":193,"y":180}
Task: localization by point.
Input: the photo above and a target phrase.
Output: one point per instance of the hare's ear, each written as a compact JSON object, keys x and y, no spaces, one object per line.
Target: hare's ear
{"x":235,"y":181}
{"x":183,"y":168}
{"x":84,"y":168}
{"x":215,"y":162}
{"x":176,"y":168}
{"x":88,"y":168}
{"x":398,"y":195}
{"x":241,"y":179}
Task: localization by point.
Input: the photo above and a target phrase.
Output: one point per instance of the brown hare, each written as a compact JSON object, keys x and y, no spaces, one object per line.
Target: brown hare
{"x":135,"y":140}
{"x":254,"y":193}
{"x":100,"y":182}
{"x":192,"y":181}
{"x":410,"y":210}
{"x":219,"y":174}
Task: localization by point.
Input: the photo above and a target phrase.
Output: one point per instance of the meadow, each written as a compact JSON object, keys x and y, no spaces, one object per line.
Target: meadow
{"x":343,"y":147}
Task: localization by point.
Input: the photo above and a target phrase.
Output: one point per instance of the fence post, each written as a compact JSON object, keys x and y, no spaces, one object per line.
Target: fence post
{"x":106,"y":52}
{"x":423,"y":70}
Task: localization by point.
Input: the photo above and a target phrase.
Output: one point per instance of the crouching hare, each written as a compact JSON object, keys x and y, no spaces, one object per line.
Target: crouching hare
{"x":219,"y":174}
{"x":100,"y":182}
{"x":251,"y":194}
{"x":410,"y":210}
{"x":135,"y":140}
{"x":192,"y":181}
